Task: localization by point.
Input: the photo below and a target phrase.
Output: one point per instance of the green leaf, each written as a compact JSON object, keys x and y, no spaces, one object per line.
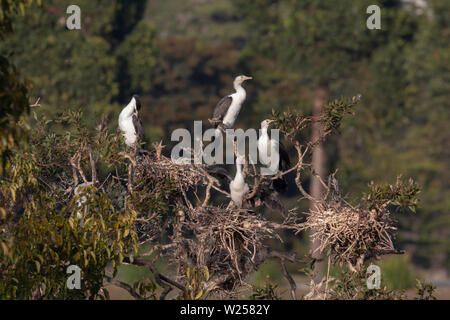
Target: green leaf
{"x":38,"y":266}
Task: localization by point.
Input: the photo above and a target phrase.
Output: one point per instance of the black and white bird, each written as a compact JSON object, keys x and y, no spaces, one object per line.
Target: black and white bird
{"x":272,"y":150}
{"x":130,"y":123}
{"x":228,"y":108}
{"x":238,"y":186}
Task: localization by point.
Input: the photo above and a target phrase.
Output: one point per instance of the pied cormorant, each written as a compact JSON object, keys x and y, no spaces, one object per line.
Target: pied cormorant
{"x":270,"y":147}
{"x":238,"y":186}
{"x":130,"y":123}
{"x":228,"y":108}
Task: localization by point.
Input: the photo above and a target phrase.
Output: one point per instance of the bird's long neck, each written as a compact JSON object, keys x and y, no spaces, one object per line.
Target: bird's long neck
{"x":239,"y":89}
{"x":129,"y":109}
{"x":264,"y":132}
{"x":238,"y":169}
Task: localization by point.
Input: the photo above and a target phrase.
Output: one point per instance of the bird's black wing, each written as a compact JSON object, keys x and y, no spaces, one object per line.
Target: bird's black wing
{"x":222,"y":107}
{"x":280,"y":184}
{"x":271,"y":200}
{"x":137,"y":123}
{"x":219,"y":173}
{"x":285,"y":162}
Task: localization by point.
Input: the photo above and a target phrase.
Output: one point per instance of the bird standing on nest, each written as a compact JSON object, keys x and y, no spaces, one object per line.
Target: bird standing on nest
{"x":238,"y":186}
{"x":130,"y":124}
{"x":271,"y":150}
{"x":228,"y":108}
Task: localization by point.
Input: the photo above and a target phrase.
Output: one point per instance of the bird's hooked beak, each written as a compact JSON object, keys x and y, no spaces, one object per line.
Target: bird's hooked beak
{"x":246,"y":78}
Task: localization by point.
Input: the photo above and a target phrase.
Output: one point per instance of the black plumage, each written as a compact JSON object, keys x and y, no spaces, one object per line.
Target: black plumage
{"x":221,"y":109}
{"x":220,"y":173}
{"x":138,"y":102}
{"x":285,"y":162}
{"x":137,"y":123}
{"x":280,"y":184}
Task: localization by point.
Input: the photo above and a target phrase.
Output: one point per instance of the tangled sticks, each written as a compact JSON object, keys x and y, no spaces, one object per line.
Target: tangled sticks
{"x":353,"y":234}
{"x":229,"y":241}
{"x":232,"y":241}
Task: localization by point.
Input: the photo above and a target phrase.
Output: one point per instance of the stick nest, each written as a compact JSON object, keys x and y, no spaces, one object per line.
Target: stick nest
{"x":184,"y":176}
{"x":228,"y":242}
{"x":352,"y":234}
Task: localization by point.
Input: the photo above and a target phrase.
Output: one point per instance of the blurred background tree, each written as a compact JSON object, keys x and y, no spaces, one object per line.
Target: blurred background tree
{"x":72,"y":69}
{"x":14,"y":87}
{"x":311,"y":51}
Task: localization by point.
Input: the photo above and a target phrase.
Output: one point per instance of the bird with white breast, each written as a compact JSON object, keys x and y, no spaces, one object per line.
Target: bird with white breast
{"x":130,"y":123}
{"x":238,"y":186}
{"x":228,"y":108}
{"x":273,"y":154}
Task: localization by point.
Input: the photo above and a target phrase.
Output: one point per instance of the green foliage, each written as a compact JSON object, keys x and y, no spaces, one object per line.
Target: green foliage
{"x":13,"y":85}
{"x":269,"y":269}
{"x":207,"y":22}
{"x":88,"y":68}
{"x":46,"y":242}
{"x":86,"y":74}
{"x":190,"y":79}
{"x":396,"y":276}
{"x":307,"y":43}
{"x":14,"y":88}
{"x":397,"y":273}
{"x":145,"y":288}
{"x":334,"y":112}
{"x":10,"y":8}
{"x":402,"y":194}
{"x":196,"y":278}
{"x":290,"y":122}
{"x":425,"y":290}
{"x":295,"y":47}
{"x":138,"y":53}
{"x":349,"y":285}
{"x":268,"y":292}
{"x":426,"y":151}
{"x":13,"y":104}
{"x":47,"y":229}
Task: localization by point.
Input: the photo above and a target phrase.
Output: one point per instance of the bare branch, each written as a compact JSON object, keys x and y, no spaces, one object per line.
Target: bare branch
{"x":36,"y":104}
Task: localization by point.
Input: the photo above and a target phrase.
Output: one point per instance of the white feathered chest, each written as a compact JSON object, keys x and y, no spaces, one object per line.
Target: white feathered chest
{"x":126,"y":124}
{"x":235,"y":107}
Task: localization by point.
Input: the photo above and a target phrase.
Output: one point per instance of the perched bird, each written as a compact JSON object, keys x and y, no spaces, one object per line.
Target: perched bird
{"x":228,"y":108}
{"x":271,"y":150}
{"x":238,"y":186}
{"x":130,"y":123}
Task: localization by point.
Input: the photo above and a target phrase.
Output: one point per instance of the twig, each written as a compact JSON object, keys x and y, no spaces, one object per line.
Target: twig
{"x":123,"y":285}
{"x":328,"y":276}
{"x":93,"y":167}
{"x":160,"y":279}
{"x":290,"y":279}
{"x":36,"y":104}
